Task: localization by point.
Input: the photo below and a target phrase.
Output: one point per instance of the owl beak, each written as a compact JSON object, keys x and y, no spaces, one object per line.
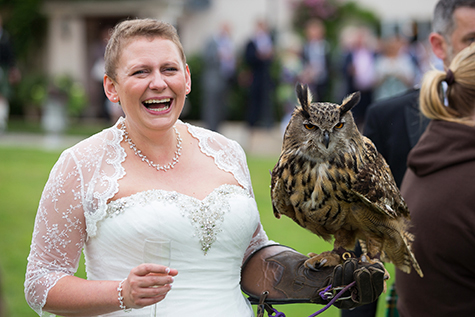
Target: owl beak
{"x":326,"y":138}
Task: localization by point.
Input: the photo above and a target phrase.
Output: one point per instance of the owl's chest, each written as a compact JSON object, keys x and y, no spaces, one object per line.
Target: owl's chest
{"x":321,"y":192}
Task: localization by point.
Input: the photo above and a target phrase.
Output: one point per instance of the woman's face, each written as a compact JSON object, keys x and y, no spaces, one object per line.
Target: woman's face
{"x":151,"y":83}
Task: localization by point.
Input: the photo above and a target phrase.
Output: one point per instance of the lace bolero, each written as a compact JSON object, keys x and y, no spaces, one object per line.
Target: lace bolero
{"x":76,"y":195}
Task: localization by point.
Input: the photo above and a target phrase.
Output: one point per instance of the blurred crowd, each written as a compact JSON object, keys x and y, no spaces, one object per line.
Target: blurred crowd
{"x":265,"y":70}
{"x":378,"y":67}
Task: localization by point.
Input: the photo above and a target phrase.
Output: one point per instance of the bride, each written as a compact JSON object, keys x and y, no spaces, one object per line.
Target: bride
{"x":152,"y":175}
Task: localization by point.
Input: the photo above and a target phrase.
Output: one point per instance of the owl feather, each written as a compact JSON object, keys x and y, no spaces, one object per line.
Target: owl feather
{"x":331,"y":180}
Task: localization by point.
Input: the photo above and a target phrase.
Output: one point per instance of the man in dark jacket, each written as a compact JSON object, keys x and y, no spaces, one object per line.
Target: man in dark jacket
{"x":259,"y":54}
{"x":8,"y":74}
{"x":395,"y":125}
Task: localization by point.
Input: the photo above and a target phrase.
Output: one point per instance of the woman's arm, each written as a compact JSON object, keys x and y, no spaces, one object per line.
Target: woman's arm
{"x":58,"y":239}
{"x":277,"y":274}
{"x":59,"y":232}
{"x":73,"y":296}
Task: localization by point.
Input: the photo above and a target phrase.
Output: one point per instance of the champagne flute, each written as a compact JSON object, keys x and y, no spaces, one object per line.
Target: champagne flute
{"x":157,"y":251}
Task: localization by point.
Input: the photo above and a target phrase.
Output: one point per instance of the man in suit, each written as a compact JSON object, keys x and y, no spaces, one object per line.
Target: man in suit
{"x":316,"y":60}
{"x":395,"y":125}
{"x":9,"y":74}
{"x":218,"y":71}
{"x":259,"y":55}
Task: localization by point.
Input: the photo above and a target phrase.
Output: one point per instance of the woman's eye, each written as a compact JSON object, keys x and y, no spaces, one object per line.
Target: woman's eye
{"x":170,"y":69}
{"x":309,"y":126}
{"x":339,"y":125}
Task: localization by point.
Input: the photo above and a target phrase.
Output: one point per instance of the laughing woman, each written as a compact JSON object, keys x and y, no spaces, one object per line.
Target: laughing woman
{"x":152,"y":175}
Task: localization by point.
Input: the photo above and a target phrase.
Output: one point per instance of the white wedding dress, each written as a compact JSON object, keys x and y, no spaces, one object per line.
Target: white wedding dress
{"x":210,"y":237}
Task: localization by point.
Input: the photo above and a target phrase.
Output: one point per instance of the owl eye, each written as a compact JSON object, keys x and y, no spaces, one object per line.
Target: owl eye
{"x":309,"y":126}
{"x":339,"y":125}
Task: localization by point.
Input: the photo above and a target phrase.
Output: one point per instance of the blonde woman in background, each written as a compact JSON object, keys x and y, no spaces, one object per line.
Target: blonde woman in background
{"x":438,"y":189}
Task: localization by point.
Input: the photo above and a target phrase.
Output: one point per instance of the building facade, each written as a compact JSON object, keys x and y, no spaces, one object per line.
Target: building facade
{"x":76,"y":28}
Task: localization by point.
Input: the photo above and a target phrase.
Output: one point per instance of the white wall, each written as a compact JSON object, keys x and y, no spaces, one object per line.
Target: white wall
{"x":242,"y":15}
{"x":66,"y":46}
{"x":401,"y":9}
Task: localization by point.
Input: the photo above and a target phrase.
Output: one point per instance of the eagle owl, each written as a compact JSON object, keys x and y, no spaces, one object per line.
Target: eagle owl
{"x":332,"y":181}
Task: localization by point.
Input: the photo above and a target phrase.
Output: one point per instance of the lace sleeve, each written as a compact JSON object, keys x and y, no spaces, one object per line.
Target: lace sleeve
{"x":73,"y":201}
{"x":59,"y":232}
{"x":259,"y":239}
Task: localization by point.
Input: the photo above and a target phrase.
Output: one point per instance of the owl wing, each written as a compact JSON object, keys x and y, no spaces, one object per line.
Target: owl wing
{"x":375,"y":184}
{"x":280,"y":197}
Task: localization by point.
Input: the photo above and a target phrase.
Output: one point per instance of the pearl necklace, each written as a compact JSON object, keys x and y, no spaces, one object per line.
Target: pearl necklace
{"x":145,"y":158}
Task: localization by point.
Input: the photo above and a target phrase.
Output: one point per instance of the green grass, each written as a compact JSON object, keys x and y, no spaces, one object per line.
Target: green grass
{"x":74,"y":127}
{"x":23,"y":173}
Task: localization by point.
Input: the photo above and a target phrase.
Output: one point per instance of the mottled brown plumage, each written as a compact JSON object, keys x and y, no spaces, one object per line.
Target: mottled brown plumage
{"x":332,"y":181}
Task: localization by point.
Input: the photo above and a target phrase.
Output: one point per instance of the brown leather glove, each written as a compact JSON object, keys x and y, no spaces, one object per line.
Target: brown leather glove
{"x":277,"y":274}
{"x":369,"y":280}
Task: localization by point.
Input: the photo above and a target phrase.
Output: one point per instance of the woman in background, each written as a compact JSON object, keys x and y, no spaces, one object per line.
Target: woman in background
{"x":438,"y":189}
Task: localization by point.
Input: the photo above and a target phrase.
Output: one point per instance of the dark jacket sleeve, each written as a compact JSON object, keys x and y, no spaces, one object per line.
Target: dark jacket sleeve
{"x":389,"y":123}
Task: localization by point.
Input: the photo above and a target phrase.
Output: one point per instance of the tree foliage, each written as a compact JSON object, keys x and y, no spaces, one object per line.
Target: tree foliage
{"x":27,"y":28}
{"x":334,"y":14}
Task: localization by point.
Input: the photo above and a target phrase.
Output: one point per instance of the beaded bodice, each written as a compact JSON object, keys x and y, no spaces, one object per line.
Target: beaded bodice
{"x":209,"y":241}
{"x":213,"y":235}
{"x":206,"y":217}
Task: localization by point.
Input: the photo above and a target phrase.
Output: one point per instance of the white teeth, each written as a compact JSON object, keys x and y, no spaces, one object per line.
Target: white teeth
{"x":153,"y":104}
{"x":157,"y":101}
{"x":159,"y":109}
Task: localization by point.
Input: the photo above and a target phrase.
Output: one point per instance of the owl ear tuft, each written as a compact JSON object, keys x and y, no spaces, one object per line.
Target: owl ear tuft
{"x":349,"y":102}
{"x":304,"y":97}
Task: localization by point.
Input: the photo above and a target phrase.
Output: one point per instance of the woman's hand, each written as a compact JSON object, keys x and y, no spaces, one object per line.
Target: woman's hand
{"x":147,"y":284}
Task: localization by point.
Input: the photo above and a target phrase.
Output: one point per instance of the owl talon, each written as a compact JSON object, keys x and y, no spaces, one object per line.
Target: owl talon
{"x":311,"y":266}
{"x":318,"y":261}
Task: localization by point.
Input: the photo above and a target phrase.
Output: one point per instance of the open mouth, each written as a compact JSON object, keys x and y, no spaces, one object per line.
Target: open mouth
{"x":157,"y":105}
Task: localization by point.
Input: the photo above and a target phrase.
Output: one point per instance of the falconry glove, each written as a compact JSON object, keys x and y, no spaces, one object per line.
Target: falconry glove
{"x":279,"y":276}
{"x":369,"y":280}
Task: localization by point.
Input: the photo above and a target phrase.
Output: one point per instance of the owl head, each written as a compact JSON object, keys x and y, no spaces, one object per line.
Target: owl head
{"x":322,"y":128}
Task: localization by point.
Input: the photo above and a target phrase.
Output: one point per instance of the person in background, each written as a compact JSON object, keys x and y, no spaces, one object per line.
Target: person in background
{"x":259,"y":55}
{"x":394,"y":69}
{"x":359,"y":71}
{"x":437,"y":189}
{"x":396,"y":124}
{"x":218,"y":73}
{"x":9,"y":74}
{"x":291,"y":70}
{"x":154,"y":176}
{"x":316,"y":60}
{"x":109,"y":110}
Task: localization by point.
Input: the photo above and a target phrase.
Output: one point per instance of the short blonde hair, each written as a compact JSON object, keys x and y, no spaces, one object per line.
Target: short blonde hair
{"x":460,"y":92}
{"x":127,"y":30}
